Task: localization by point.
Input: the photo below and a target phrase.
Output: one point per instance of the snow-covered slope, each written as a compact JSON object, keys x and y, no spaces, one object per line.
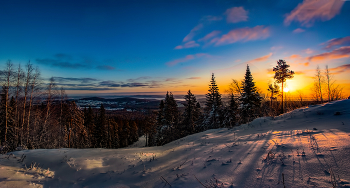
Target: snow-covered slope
{"x":303,"y":148}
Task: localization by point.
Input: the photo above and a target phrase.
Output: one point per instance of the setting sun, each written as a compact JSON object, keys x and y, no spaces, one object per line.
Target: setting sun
{"x":286,"y":89}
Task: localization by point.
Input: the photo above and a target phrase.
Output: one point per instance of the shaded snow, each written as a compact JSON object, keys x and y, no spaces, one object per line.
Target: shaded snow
{"x":308,"y":146}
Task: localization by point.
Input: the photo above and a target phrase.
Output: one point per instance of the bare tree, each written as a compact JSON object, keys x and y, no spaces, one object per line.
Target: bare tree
{"x":8,"y":73}
{"x":319,"y":81}
{"x":19,"y":81}
{"x":235,"y":87}
{"x":274,"y":90}
{"x":29,"y":72}
{"x":63,"y":98}
{"x":33,"y":88}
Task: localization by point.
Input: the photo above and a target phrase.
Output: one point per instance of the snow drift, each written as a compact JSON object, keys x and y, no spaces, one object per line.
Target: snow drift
{"x":303,"y":148}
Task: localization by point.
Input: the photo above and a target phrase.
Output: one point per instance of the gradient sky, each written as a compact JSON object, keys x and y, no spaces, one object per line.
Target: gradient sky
{"x":127,"y":46}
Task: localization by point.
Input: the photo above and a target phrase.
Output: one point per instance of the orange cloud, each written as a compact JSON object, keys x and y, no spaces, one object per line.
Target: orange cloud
{"x":187,"y":58}
{"x":243,"y":34}
{"x":342,"y":52}
{"x":190,"y":44}
{"x":294,"y":56}
{"x":259,"y":59}
{"x":236,"y":14}
{"x":311,"y":10}
{"x":337,"y":42}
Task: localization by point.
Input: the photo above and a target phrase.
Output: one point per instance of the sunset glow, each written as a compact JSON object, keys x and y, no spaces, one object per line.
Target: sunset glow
{"x":117,"y":47}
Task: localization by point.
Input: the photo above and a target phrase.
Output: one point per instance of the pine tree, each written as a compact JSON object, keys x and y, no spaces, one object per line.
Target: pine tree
{"x":250,"y":98}
{"x":274,"y":90}
{"x":231,"y":111}
{"x":191,"y":113}
{"x":99,"y":132}
{"x":282,"y":73}
{"x":213,"y":105}
{"x":115,"y":134}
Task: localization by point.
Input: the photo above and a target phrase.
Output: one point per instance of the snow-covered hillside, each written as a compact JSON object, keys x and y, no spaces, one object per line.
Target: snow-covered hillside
{"x":303,"y":148}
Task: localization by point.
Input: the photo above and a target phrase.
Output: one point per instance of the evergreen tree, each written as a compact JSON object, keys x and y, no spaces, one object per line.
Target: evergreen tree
{"x":231,"y":111}
{"x":160,"y":114}
{"x":282,"y":73}
{"x":99,"y":132}
{"x":250,"y":98}
{"x":191,"y":113}
{"x":115,"y":134}
{"x":89,"y":124}
{"x":213,"y":105}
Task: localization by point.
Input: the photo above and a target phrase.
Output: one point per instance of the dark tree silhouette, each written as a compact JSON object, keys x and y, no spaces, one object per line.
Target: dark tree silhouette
{"x":191,"y":113}
{"x":282,"y":73}
{"x":250,"y":98}
{"x":213,"y":105}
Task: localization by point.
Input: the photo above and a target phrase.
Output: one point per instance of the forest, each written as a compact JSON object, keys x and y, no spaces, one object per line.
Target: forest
{"x":36,"y":114}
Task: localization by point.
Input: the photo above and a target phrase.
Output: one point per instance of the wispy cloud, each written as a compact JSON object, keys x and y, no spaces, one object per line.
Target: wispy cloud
{"x":194,"y":78}
{"x":193,"y":32}
{"x":309,"y":11}
{"x":298,"y":30}
{"x":69,"y":62}
{"x":337,"y":42}
{"x":308,"y":51}
{"x":243,"y":35}
{"x":105,"y":67}
{"x":70,"y":79}
{"x":340,"y":69}
{"x":190,"y":44}
{"x":61,"y":63}
{"x":236,"y":14}
{"x":342,"y":52}
{"x":260,"y":59}
{"x":209,"y":36}
{"x":187,"y":58}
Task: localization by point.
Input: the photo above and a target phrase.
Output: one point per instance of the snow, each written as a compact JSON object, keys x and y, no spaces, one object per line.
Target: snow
{"x":303,"y":148}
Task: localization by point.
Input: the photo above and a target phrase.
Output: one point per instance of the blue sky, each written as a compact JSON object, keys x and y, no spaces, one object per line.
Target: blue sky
{"x":158,"y":46}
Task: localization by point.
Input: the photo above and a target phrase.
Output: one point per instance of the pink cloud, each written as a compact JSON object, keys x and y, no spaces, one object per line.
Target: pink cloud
{"x":309,"y":11}
{"x":294,"y":56}
{"x":275,"y":48}
{"x":308,"y":51}
{"x":342,"y":52}
{"x":259,"y":59}
{"x":193,"y":32}
{"x":187,"y":58}
{"x":190,"y":44}
{"x":210,"y":35}
{"x":243,"y":34}
{"x":236,"y":14}
{"x":337,"y":42}
{"x":341,"y":69}
{"x":298,"y":30}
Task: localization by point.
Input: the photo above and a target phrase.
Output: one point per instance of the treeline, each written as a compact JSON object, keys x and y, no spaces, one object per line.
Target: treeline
{"x":243,"y":106}
{"x":35,"y":114}
{"x":245,"y":103}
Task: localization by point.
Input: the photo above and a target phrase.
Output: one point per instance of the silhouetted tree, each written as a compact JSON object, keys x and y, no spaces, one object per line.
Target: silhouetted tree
{"x":250,"y":98}
{"x":99,"y":131}
{"x":282,"y":73}
{"x":191,"y":113}
{"x":213,"y":105}
{"x":274,"y":90}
